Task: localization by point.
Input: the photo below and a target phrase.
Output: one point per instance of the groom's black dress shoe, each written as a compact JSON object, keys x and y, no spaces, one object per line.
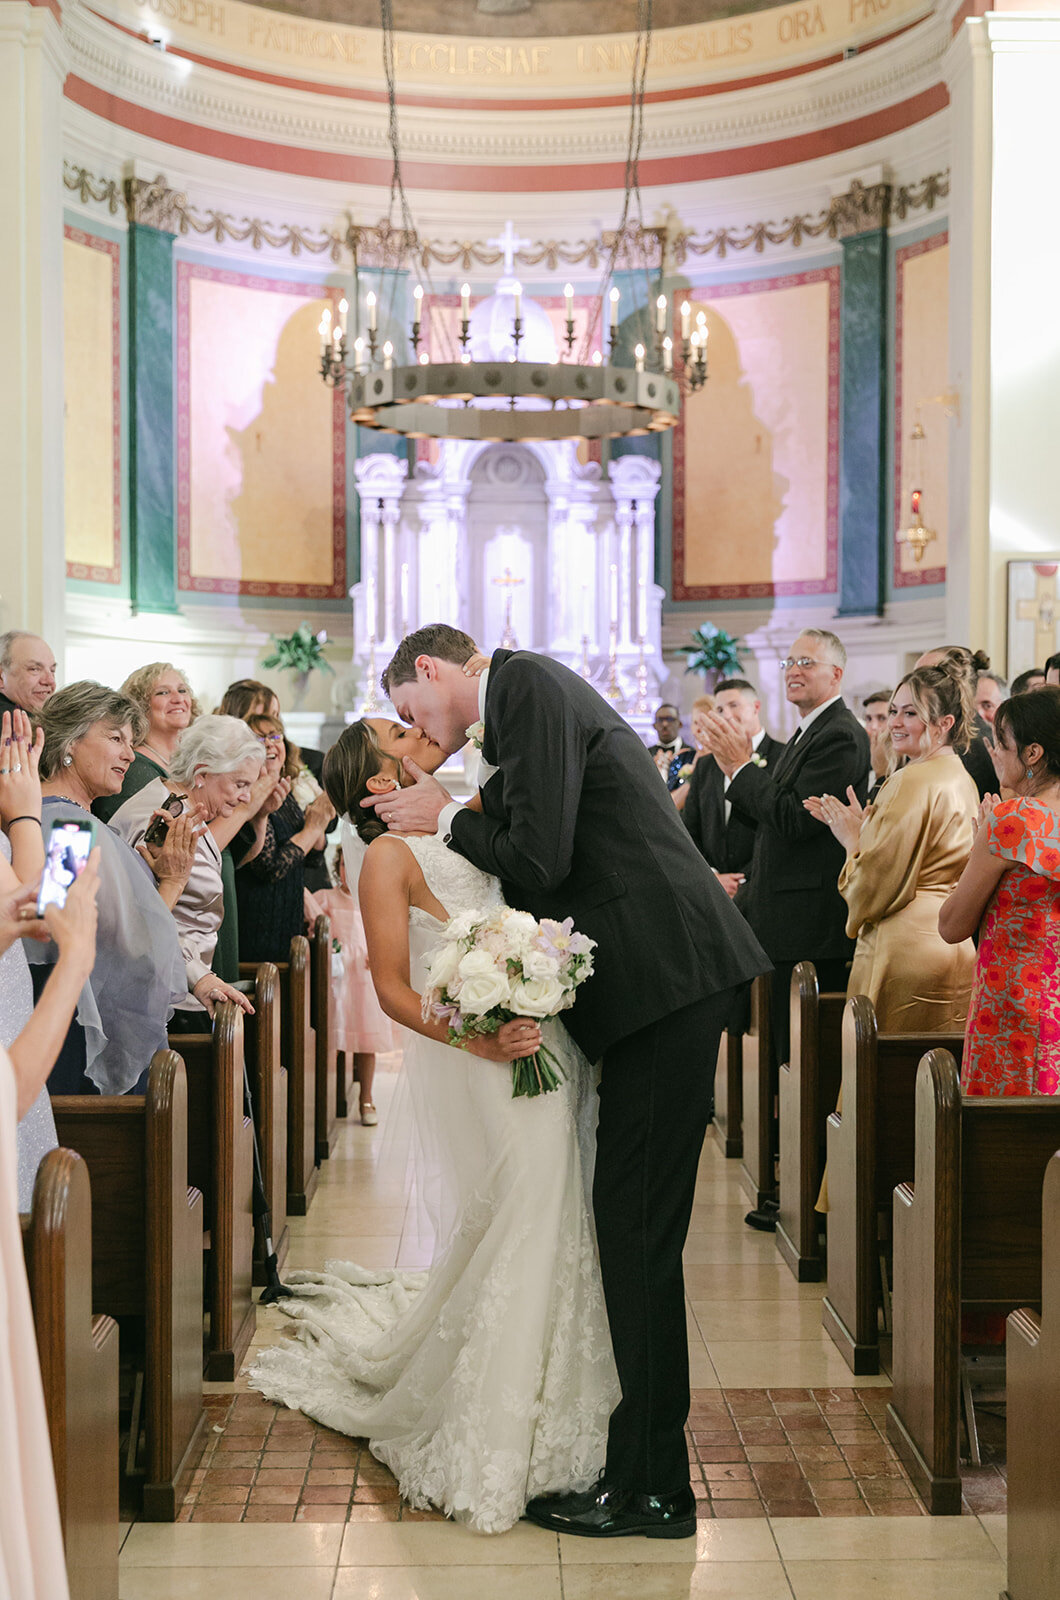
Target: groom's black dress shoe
{"x":605,"y":1513}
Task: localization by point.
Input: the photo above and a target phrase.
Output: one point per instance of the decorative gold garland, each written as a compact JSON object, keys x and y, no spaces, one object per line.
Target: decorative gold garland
{"x":860,"y":210}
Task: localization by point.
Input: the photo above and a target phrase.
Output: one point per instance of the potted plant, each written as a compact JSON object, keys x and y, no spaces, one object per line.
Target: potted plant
{"x":716,"y":653}
{"x":301,"y":652}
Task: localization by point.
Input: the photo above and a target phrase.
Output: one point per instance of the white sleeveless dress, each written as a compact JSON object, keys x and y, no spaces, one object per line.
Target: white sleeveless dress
{"x":490,"y":1379}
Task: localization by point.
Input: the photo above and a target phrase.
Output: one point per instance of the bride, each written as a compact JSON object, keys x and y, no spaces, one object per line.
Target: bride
{"x":490,"y":1379}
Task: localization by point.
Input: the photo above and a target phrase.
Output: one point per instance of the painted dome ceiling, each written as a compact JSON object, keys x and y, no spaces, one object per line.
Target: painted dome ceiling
{"x":517,"y":18}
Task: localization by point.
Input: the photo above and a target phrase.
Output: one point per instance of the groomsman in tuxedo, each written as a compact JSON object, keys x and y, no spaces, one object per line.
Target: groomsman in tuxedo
{"x":723,"y":834}
{"x":792,"y":900}
{"x":670,"y":752}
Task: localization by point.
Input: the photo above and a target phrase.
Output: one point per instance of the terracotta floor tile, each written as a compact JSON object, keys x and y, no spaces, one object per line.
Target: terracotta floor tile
{"x":275,"y":1495}
{"x":835,"y":1489}
{"x":223,"y":1494}
{"x":289,"y":1459}
{"x":739,"y":1508}
{"x":896,"y":1508}
{"x":357,"y":1513}
{"x":286,"y":1476}
{"x":375,"y":1494}
{"x":808,"y":1453}
{"x":789,"y":1394}
{"x":320,"y":1514}
{"x":771,"y":1452}
{"x":725,"y":1452}
{"x":827,"y":1472}
{"x":791,"y":1508}
{"x":218,"y":1475}
{"x":734,"y":1472}
{"x":371,"y":1471}
{"x":733,"y":1491}
{"x":260,"y":1513}
{"x":410,"y":1514}
{"x":843,"y":1508}
{"x":240,"y":1441}
{"x":774,"y":1472}
{"x":344,"y":1475}
{"x":217,"y":1514}
{"x":326,"y":1494}
{"x":700,"y":1490}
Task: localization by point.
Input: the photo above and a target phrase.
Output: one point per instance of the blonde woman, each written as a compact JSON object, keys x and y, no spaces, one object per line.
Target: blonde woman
{"x":164,"y":696}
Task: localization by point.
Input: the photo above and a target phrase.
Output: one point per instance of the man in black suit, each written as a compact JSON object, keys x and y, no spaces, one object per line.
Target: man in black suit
{"x":792,"y":900}
{"x":27,"y":672}
{"x":670,"y":752}
{"x":723,"y":834}
{"x":575,"y":823}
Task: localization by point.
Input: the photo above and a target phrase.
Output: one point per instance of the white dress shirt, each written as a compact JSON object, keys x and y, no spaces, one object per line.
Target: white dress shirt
{"x":803,"y":724}
{"x":485,"y":771}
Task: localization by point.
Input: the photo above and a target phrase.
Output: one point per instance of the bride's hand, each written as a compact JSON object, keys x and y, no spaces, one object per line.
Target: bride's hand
{"x":476,"y":665}
{"x":513,"y":1040}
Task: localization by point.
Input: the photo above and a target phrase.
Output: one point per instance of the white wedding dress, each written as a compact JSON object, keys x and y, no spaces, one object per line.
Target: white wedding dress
{"x":489,"y":1379}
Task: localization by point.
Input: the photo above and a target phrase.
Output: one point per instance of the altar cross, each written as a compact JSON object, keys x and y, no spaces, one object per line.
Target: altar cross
{"x":508,"y":243}
{"x":1041,"y":610}
{"x":509,"y":583}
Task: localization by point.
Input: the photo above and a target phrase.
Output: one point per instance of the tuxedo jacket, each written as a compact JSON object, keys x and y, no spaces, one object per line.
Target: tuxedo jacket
{"x":683,"y":756}
{"x":791,"y":899}
{"x":575,"y":823}
{"x":725,"y":846}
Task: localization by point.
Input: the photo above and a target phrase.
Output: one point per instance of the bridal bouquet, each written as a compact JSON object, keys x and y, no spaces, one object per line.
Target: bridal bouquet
{"x":493,"y":966}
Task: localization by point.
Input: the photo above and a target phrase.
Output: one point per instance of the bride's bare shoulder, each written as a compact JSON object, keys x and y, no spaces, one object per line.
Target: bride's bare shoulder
{"x":389,"y":860}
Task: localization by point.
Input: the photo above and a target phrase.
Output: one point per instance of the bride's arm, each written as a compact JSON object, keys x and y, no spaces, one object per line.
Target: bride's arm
{"x":388,"y":877}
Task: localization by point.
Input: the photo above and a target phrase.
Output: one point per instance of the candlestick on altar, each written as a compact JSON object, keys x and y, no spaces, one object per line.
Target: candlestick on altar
{"x":641,"y":704}
{"x":585,"y":670}
{"x":613,"y":692}
{"x":509,"y":584}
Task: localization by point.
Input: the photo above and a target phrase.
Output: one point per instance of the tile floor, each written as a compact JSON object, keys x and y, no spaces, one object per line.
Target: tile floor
{"x":800,"y":1496}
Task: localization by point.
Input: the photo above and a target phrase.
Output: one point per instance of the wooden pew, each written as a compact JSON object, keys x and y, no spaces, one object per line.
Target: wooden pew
{"x":298,"y":1054}
{"x":758,"y":1170}
{"x":967,"y":1236}
{"x":1033,"y":1424}
{"x":345,"y":1087}
{"x":728,"y":1095}
{"x":809,"y":1088}
{"x":870,"y":1149}
{"x":268,"y":1081}
{"x":326,"y":1063}
{"x":79,"y":1368}
{"x":220,"y":1163}
{"x":147,"y":1233}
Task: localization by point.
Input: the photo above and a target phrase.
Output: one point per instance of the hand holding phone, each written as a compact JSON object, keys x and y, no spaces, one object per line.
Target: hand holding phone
{"x":66,"y":854}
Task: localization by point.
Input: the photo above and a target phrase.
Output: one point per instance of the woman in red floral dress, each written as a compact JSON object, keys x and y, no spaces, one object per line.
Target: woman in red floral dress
{"x":1010,"y":890}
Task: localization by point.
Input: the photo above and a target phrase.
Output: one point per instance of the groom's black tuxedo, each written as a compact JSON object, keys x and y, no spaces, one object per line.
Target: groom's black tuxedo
{"x":576,"y":823}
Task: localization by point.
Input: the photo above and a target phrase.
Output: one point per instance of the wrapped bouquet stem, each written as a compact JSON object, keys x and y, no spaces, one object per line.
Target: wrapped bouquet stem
{"x":493,"y":966}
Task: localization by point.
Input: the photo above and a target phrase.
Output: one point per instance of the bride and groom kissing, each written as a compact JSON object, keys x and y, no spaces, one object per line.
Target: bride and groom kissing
{"x":541,"y":1366}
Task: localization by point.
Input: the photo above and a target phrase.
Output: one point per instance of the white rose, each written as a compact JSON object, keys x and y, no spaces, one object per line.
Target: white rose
{"x":444,"y":963}
{"x":519,"y":924}
{"x":476,"y":964}
{"x":460,"y":926}
{"x":537,"y":964}
{"x":538,"y":997}
{"x":482,"y":992}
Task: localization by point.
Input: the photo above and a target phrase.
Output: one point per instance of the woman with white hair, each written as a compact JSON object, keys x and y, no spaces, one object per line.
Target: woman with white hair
{"x":212,"y":769}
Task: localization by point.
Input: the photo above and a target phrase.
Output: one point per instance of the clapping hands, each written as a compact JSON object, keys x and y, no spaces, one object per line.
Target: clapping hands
{"x":20,"y":750}
{"x":844,"y":820}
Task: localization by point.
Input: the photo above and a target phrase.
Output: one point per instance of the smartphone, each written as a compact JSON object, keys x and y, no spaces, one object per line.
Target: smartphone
{"x":157,"y":830}
{"x":65,"y":857}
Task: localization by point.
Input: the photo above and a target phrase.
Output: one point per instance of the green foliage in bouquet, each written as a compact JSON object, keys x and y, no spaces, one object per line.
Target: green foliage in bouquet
{"x":716,"y":652}
{"x":302,"y":651}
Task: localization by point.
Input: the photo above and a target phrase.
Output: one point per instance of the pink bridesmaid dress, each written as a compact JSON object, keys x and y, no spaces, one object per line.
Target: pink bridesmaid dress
{"x":362,"y":1026}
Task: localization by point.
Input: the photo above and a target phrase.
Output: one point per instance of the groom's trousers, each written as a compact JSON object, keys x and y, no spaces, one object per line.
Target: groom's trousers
{"x":656,"y":1094}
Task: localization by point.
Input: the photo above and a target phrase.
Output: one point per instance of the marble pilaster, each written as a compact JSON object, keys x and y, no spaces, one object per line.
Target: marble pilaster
{"x":152,"y":445}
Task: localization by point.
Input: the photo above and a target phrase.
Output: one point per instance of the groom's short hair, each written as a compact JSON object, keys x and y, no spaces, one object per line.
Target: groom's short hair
{"x":436,"y":639}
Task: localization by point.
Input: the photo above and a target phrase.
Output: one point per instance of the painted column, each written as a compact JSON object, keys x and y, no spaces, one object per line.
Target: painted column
{"x":32,"y":70}
{"x":152,"y":441}
{"x":864,"y":212}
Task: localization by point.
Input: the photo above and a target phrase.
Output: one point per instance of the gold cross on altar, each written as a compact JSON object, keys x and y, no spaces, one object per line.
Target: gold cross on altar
{"x":1041,"y":611}
{"x":509,"y":583}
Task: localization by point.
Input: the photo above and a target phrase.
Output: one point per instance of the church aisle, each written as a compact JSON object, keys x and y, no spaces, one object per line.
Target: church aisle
{"x":800,"y":1496}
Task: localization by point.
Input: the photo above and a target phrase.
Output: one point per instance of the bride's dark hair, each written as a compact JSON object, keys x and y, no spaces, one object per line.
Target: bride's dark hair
{"x":355,"y":757}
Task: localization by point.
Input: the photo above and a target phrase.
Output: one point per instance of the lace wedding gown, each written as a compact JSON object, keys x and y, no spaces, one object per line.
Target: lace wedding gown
{"x":489,"y":1379}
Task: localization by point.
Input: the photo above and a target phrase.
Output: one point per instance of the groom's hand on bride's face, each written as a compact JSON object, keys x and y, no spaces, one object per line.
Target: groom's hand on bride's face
{"x":412,"y":810}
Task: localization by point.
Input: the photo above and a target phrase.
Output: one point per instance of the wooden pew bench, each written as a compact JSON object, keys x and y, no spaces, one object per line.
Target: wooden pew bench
{"x":758,"y":1168}
{"x":268,"y":1082}
{"x":79,"y":1369}
{"x":728,"y":1095}
{"x":147,"y":1233}
{"x":1033,"y":1431}
{"x":967,"y":1237}
{"x":221,"y":1165}
{"x":809,"y":1089}
{"x":298,"y":1054}
{"x":870,"y":1149}
{"x":326,"y":1131}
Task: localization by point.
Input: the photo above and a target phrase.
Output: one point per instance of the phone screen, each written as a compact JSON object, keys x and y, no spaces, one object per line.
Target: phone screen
{"x":66,"y":856}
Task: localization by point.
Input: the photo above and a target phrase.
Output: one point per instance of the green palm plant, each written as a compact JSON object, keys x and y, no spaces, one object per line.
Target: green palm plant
{"x":716,"y":653}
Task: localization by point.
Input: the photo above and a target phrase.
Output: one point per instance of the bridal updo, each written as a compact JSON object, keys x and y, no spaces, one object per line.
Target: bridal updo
{"x":355,"y":757}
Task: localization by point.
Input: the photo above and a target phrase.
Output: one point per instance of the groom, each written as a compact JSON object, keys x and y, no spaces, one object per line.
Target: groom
{"x":575,"y":823}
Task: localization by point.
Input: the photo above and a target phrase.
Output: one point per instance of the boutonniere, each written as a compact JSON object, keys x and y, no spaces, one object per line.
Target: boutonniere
{"x":476,"y":733}
{"x":757,"y":760}
{"x":684,"y":773}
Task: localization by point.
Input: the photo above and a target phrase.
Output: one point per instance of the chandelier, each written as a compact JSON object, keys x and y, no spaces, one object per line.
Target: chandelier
{"x":512,"y":398}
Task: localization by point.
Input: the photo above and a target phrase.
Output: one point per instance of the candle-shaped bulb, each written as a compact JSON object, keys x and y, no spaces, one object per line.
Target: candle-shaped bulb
{"x":322,"y":329}
{"x":638,"y":357}
{"x":597,"y":358}
{"x":388,"y":355}
{"x":701,"y":319}
{"x":668,"y":354}
{"x":517,"y":292}
{"x":465,"y":301}
{"x":465,"y":359}
{"x":424,"y":358}
{"x":660,"y":314}
{"x":371,"y":303}
{"x":686,"y":318}
{"x":614,"y":307}
{"x":325,"y":315}
{"x":344,"y":306}
{"x":568,"y":295}
{"x":417,"y":295}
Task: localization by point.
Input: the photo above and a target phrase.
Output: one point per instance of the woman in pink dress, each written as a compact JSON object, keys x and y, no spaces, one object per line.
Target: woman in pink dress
{"x":32,"y":1565}
{"x":1010,"y":892}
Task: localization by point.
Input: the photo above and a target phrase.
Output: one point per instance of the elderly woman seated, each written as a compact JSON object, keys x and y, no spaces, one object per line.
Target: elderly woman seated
{"x":89,"y":734}
{"x":212,"y":771}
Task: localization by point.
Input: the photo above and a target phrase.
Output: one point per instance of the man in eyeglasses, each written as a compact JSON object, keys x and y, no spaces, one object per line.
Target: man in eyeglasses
{"x":791,"y":899}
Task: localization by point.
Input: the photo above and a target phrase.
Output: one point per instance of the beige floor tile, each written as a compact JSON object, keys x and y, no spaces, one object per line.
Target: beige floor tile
{"x":783,"y":1363}
{"x":882,"y":1539}
{"x":448,"y":1583}
{"x":721,"y":1541}
{"x":996,"y":1525}
{"x":725,"y":1247}
{"x":703,"y":1580}
{"x":444,"y":1544}
{"x":901,"y":1580}
{"x":238,"y":1583}
{"x":769,"y":1280}
{"x":758,"y":1319}
{"x":240,"y":1544}
{"x":311,"y":1250}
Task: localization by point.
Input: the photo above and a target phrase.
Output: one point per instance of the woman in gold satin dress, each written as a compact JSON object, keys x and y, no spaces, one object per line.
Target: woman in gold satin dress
{"x":904,"y":855}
